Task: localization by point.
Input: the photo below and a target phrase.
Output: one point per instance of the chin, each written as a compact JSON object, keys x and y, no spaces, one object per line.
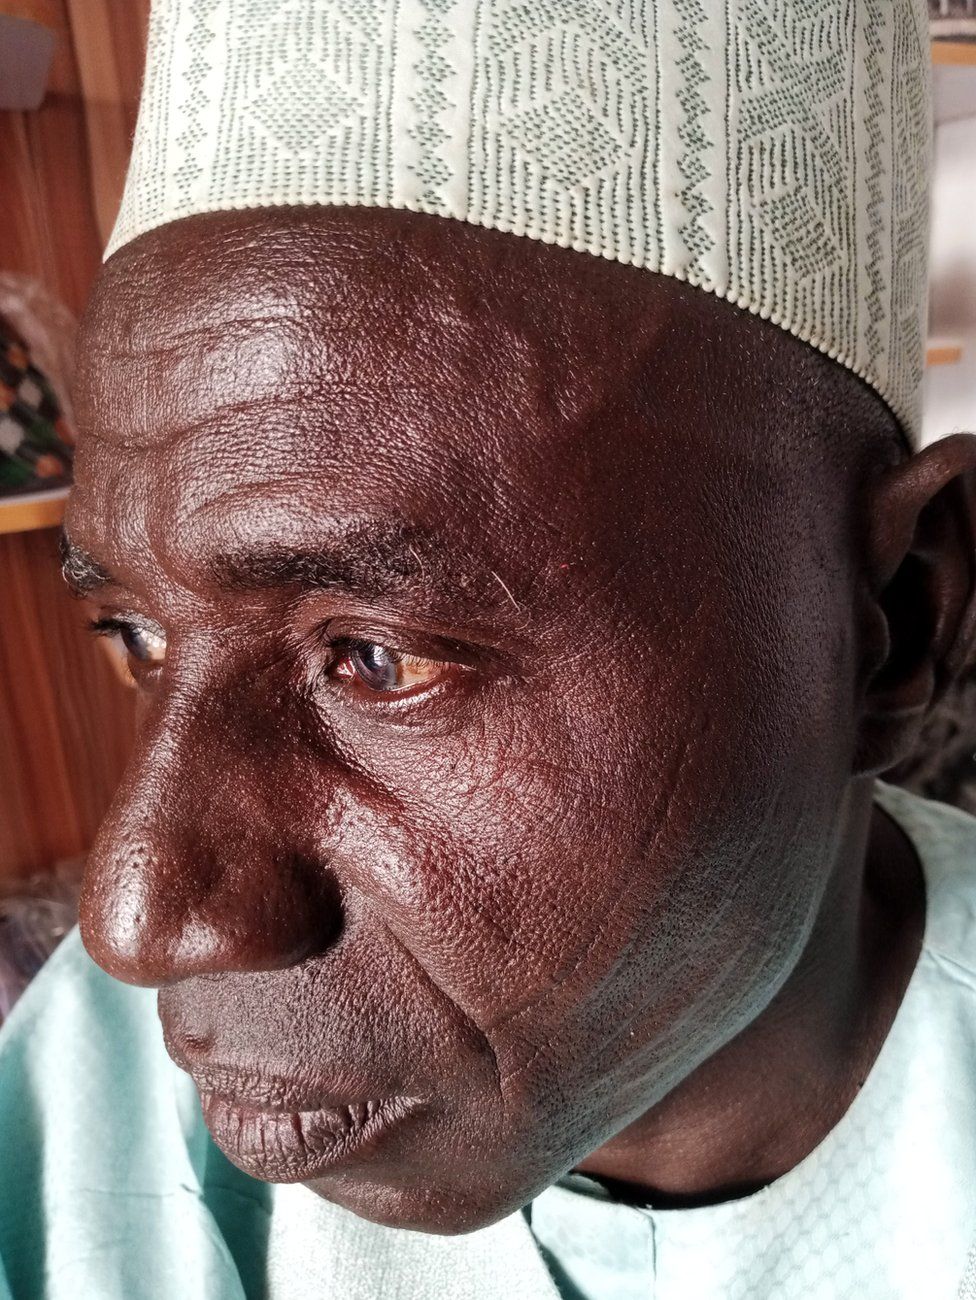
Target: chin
{"x":446,"y":1213}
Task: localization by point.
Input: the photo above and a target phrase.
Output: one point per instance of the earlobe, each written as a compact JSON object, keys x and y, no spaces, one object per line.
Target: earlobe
{"x":919,"y":616}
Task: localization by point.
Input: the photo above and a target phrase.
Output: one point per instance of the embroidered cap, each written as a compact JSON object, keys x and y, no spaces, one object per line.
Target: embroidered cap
{"x":773,"y":152}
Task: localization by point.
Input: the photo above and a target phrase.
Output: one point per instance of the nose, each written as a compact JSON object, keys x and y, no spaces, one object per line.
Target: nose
{"x":196,"y":869}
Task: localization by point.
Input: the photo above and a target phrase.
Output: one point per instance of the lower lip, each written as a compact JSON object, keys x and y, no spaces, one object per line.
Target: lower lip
{"x":296,"y":1146}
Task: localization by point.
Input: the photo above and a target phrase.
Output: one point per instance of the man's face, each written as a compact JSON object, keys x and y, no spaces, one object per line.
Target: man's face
{"x":498,"y":702}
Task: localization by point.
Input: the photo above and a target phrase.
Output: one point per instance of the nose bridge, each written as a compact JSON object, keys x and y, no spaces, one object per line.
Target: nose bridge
{"x":196,"y":869}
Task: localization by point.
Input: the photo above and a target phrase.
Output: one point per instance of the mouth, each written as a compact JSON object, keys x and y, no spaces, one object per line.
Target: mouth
{"x":279,"y":1134}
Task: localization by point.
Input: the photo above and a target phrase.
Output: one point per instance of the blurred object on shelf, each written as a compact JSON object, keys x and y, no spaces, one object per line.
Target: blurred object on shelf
{"x":37,"y":339}
{"x":26,"y":50}
{"x":949,"y":402}
{"x":36,"y":437}
{"x":48,"y":328}
{"x":941,"y":353}
{"x":35,"y":915}
{"x":36,"y":442}
{"x":953,"y":20}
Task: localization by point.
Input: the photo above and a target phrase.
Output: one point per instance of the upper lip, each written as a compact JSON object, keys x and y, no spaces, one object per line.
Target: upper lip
{"x":269,"y":1092}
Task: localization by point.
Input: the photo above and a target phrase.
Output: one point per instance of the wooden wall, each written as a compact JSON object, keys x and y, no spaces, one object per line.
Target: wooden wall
{"x":65,"y":717}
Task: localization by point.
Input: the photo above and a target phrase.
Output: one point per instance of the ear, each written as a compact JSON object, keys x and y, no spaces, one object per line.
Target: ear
{"x":920,"y":613}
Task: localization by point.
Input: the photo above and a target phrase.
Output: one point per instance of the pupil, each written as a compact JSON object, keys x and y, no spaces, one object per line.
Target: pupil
{"x":135,"y":643}
{"x":143,"y":644}
{"x":376,"y":666}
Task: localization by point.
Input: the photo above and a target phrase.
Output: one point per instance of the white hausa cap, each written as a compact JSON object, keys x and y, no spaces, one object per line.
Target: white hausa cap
{"x":773,"y":152}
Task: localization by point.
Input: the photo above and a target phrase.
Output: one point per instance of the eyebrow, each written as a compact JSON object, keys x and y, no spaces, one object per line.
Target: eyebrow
{"x":82,"y":574}
{"x":366,"y":559}
{"x":375,"y":559}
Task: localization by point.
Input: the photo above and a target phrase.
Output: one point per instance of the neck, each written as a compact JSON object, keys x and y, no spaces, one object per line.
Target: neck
{"x":760,"y":1105}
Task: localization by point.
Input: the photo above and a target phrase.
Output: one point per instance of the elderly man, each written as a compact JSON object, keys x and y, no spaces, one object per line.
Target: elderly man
{"x":499,"y":460}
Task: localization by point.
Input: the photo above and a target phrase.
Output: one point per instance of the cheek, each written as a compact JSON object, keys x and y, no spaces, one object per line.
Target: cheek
{"x":494,"y":851}
{"x":609,"y":879}
{"x":554,"y":861}
{"x":479,"y":854}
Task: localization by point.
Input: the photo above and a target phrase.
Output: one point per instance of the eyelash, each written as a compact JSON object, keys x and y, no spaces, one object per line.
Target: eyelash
{"x":108,"y":626}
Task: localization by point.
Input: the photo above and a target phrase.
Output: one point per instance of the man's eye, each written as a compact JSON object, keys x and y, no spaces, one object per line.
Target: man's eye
{"x":381,"y":668}
{"x":143,"y":641}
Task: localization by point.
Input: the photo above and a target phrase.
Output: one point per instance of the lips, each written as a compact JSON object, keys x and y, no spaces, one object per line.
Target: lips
{"x":279,"y":1134}
{"x":294,"y":1147}
{"x":287,"y":1130}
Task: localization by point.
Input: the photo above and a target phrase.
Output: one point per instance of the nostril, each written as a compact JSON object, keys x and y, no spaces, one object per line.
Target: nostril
{"x":196,"y":1047}
{"x":326,"y":897}
{"x":303,"y":914}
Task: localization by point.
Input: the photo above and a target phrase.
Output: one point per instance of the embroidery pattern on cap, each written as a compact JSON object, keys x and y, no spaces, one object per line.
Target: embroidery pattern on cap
{"x":773,"y":152}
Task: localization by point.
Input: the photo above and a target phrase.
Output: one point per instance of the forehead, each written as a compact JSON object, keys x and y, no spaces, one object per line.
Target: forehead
{"x":254,"y":371}
{"x":248,"y":308}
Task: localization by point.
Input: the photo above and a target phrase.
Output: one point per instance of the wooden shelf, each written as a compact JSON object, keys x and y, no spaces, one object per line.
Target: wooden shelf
{"x":36,"y":510}
{"x":954,"y":54}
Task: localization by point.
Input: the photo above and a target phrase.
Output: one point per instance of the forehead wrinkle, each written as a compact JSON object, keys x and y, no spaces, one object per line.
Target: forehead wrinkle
{"x":141,"y":343}
{"x":136,"y":411}
{"x":137,"y":396}
{"x":321,"y":341}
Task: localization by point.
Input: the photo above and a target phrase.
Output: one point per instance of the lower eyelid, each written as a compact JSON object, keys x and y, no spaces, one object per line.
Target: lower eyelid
{"x":353,"y":686}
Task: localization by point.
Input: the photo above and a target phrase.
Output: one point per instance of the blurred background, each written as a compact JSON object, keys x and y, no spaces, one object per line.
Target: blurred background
{"x":69,"y":83}
{"x":70,"y":72}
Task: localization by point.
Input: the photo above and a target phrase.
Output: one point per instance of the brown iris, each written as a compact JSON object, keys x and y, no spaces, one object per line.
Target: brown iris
{"x":382,"y":668}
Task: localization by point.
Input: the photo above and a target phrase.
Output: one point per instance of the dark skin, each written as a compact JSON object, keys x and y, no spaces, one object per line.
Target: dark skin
{"x":519,"y":635}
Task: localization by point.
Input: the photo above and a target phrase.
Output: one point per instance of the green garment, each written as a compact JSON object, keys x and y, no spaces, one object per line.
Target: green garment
{"x":112,"y":1189}
{"x":106,"y":1164}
